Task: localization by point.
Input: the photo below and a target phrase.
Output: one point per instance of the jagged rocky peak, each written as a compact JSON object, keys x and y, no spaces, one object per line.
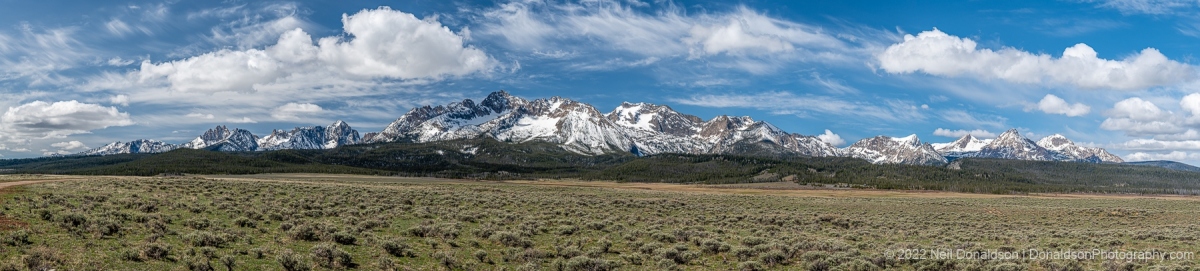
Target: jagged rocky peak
{"x":1011,"y":145}
{"x":370,"y":137}
{"x":1011,"y":137}
{"x":1055,"y":142}
{"x":222,"y":138}
{"x":136,"y":146}
{"x":724,"y":124}
{"x":495,"y":103}
{"x":311,"y":137}
{"x":340,"y":134}
{"x":501,"y":101}
{"x":657,"y":118}
{"x":895,"y":150}
{"x":910,"y":140}
{"x":217,"y":133}
{"x":966,"y":143}
{"x":1067,"y":151}
{"x":558,"y":107}
{"x":454,"y":120}
{"x":576,"y":126}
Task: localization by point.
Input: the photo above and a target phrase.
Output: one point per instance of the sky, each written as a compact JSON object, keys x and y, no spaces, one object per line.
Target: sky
{"x":1117,"y":74}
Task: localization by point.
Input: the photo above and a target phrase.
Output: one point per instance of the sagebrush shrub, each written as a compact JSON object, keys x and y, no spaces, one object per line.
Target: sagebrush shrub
{"x":155,"y":251}
{"x":289,"y":261}
{"x":328,"y":255}
{"x":398,"y":248}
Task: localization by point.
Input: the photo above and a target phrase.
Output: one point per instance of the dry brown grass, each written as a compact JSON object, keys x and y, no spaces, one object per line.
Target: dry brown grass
{"x":791,"y":189}
{"x":431,"y":224}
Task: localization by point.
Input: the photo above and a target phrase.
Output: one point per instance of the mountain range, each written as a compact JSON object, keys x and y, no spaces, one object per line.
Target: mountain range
{"x":637,"y":128}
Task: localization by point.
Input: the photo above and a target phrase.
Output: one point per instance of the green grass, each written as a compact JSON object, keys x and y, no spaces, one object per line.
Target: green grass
{"x":111,"y":224}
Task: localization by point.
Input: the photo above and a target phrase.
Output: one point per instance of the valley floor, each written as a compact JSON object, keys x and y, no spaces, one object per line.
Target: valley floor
{"x":313,"y":221}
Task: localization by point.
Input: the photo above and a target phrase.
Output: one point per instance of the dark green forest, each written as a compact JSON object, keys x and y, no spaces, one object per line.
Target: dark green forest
{"x":489,"y":159}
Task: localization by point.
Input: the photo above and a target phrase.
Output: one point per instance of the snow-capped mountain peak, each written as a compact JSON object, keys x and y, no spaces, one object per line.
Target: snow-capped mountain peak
{"x":1056,"y":142}
{"x":893,"y":150}
{"x":1067,"y":150}
{"x":1011,"y":137}
{"x":455,"y":120}
{"x":640,"y":128}
{"x":966,"y":143}
{"x":1011,"y":145}
{"x":654,"y":118}
{"x":222,"y":138}
{"x":340,"y":134}
{"x":135,"y":146}
{"x":312,"y":137}
{"x":911,"y":140}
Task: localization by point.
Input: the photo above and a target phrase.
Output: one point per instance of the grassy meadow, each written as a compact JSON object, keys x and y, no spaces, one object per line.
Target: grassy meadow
{"x":332,"y":222}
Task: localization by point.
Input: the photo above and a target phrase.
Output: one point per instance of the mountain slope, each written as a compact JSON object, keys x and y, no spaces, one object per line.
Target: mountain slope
{"x":136,"y":146}
{"x":965,"y":145}
{"x":895,"y":150}
{"x":1060,"y":144}
{"x":1011,"y":145}
{"x":1165,"y":164}
{"x":640,"y":128}
{"x":221,"y":138}
{"x":309,"y":138}
{"x":637,"y":128}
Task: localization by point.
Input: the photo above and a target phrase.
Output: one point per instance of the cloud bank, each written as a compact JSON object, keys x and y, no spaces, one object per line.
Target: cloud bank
{"x":38,"y":120}
{"x":379,"y":44}
{"x":1054,"y":105}
{"x":937,"y":53}
{"x":978,"y":133}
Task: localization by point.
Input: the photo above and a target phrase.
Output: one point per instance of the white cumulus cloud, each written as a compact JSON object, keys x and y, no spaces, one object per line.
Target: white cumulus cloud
{"x":1138,"y":117}
{"x":754,"y":41}
{"x":379,"y":43}
{"x":69,"y":145}
{"x":1191,"y":105}
{"x":241,"y":120}
{"x":1171,"y":156}
{"x":938,"y":53}
{"x":290,"y":111}
{"x":1167,"y":131}
{"x":1054,"y":105}
{"x":200,"y":115}
{"x":120,"y":99}
{"x":40,"y":119}
{"x":978,"y":133}
{"x":832,"y":138}
{"x":748,"y":32}
{"x":1143,"y":144}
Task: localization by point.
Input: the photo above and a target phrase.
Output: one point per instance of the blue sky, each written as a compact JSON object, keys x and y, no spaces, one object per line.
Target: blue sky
{"x":1116,"y":74}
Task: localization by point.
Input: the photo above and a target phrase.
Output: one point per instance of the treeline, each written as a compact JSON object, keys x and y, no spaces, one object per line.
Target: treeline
{"x":486,"y":158}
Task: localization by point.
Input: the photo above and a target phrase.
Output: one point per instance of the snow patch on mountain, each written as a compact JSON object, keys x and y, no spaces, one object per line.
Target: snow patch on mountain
{"x":893,"y":150}
{"x":1065,"y":147}
{"x":221,"y":138}
{"x":310,"y":138}
{"x":638,"y":128}
{"x":965,"y":145}
{"x":136,"y":146}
